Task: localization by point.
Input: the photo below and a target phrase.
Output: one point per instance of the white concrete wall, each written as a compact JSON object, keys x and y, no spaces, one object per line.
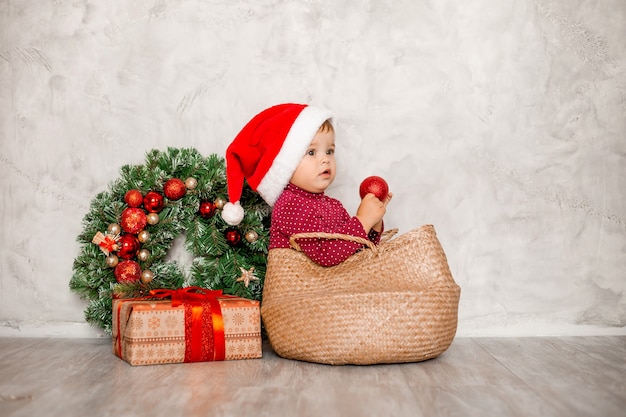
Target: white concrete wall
{"x":502,"y":123}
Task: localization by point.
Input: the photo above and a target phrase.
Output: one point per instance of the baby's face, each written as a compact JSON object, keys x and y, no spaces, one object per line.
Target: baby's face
{"x":317,"y":169}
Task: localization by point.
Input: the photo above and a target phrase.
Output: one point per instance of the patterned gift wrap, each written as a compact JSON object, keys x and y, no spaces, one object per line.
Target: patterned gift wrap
{"x":191,"y":327}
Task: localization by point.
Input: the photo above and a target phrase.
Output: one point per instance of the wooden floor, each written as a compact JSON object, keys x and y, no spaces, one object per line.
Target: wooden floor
{"x":571,"y":376}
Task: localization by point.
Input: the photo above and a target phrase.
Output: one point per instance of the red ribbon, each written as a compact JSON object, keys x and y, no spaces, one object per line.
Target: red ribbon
{"x":204,"y":324}
{"x":109,"y":244}
{"x":187,"y":294}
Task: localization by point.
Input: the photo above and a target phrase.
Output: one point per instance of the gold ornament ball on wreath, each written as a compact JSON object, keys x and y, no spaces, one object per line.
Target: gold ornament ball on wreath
{"x":112,"y":261}
{"x":144,"y":236}
{"x":252,"y":236}
{"x":143,"y":255}
{"x":153,"y":218}
{"x":191,"y":183}
{"x":114,"y":229}
{"x":147,"y":276}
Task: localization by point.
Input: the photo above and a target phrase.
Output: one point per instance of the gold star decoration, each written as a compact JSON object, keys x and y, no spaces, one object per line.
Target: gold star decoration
{"x":247,"y":276}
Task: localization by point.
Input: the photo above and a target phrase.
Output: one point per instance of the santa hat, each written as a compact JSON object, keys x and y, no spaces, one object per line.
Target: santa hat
{"x":267,"y":152}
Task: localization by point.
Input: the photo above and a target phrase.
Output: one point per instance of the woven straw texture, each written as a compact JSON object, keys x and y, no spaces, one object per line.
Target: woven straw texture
{"x":391,"y":303}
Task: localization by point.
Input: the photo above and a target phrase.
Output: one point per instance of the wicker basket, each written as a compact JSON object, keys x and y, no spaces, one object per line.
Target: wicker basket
{"x":395,"y":302}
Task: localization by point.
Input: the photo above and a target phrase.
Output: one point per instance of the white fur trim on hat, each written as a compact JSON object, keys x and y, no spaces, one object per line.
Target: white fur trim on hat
{"x":298,"y":139}
{"x":232,"y":213}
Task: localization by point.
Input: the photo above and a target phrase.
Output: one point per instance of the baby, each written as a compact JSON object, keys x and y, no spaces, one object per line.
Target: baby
{"x":287,"y":155}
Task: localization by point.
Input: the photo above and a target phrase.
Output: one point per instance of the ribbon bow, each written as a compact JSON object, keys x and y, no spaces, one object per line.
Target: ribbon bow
{"x":187,"y":294}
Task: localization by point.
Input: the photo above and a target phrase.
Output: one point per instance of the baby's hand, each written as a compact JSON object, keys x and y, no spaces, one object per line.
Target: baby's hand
{"x":371,"y":211}
{"x":388,"y":199}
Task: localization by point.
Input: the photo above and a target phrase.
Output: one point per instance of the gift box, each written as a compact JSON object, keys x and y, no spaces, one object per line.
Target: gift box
{"x":186,"y":325}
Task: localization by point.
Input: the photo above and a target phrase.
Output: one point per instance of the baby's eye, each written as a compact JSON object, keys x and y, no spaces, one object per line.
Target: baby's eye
{"x":330,"y":152}
{"x":311,"y":152}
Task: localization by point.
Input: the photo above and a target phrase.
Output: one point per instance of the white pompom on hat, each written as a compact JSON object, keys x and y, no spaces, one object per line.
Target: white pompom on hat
{"x":267,"y":152}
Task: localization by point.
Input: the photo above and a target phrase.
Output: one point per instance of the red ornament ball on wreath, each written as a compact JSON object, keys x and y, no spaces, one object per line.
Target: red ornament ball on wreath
{"x":374,"y":185}
{"x":133,"y":220}
{"x":129,"y":246}
{"x":133,"y":198}
{"x":127,"y":272}
{"x":207,"y":209}
{"x":153,"y":202}
{"x":233,"y":237}
{"x":174,"y":189}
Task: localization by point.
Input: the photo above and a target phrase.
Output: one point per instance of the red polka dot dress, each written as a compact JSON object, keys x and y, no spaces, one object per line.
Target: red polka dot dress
{"x":299,"y":211}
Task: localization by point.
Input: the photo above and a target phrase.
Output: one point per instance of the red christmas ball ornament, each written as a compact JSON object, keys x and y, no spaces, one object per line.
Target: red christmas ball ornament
{"x":207,"y":209}
{"x":233,"y":237}
{"x":133,"y":198}
{"x":174,"y":189}
{"x":153,"y":202}
{"x":374,"y":185}
{"x":129,"y":246}
{"x":133,"y":220}
{"x":127,"y":272}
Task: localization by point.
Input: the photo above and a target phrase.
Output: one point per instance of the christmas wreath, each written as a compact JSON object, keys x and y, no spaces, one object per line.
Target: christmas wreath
{"x":131,"y":227}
